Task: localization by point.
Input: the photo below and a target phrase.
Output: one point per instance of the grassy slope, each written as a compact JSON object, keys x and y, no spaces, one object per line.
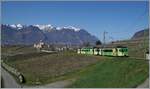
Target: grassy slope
{"x":114,"y":73}
{"x":137,"y":50}
{"x":47,"y":67}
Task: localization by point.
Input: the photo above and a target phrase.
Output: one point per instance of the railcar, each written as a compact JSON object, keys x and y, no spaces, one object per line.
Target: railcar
{"x":122,"y":51}
{"x":107,"y":52}
{"x":85,"y":51}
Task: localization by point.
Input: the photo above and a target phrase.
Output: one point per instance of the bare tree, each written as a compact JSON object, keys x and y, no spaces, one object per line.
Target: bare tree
{"x":98,"y":43}
{"x":86,"y":44}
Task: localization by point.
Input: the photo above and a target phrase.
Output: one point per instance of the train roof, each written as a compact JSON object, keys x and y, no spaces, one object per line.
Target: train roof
{"x":87,"y":47}
{"x":121,"y":47}
{"x":103,"y":47}
{"x":112,"y":46}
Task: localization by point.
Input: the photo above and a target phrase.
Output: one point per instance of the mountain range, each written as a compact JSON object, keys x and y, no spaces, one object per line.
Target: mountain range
{"x":30,"y":34}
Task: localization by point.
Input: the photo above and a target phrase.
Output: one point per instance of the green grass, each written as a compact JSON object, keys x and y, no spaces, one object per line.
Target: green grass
{"x":113,"y":73}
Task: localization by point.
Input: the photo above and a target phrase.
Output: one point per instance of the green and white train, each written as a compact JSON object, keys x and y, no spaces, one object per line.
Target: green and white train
{"x":117,"y":51}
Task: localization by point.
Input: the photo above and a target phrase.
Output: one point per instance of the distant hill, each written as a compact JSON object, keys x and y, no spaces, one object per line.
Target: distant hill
{"x":21,"y":34}
{"x":141,"y":34}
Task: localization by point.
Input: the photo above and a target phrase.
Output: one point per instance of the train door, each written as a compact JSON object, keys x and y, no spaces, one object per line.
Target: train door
{"x":100,"y":51}
{"x":78,"y":51}
{"x":95,"y":51}
{"x":114,"y":51}
{"x":91,"y":51}
{"x":120,"y":52}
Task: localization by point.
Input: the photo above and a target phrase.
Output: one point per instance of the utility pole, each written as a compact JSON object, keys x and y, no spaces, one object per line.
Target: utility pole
{"x":104,"y":34}
{"x":144,"y":44}
{"x":111,"y":38}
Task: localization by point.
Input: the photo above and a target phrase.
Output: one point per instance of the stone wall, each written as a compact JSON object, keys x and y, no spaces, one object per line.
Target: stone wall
{"x":14,"y":71}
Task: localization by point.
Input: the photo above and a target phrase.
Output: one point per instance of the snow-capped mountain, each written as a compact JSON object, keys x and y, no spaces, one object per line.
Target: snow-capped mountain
{"x":18,"y":26}
{"x":47,"y":27}
{"x":30,"y":34}
{"x":58,"y":28}
{"x":71,"y":27}
{"x":68,"y":27}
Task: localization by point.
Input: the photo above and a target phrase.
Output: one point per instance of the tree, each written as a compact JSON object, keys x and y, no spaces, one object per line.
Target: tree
{"x":86,"y":44}
{"x":98,"y":43}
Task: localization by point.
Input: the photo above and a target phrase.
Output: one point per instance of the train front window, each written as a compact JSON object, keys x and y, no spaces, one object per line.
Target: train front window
{"x":123,"y":50}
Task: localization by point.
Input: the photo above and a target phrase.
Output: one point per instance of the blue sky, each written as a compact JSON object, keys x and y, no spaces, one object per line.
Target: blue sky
{"x":120,"y":19}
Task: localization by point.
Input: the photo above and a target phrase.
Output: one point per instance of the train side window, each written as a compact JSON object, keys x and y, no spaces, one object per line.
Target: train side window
{"x":120,"y":50}
{"x":108,"y":50}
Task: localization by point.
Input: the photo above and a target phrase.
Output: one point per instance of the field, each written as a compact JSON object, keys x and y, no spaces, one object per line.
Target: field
{"x":44,"y":67}
{"x":13,"y":50}
{"x":88,"y":70}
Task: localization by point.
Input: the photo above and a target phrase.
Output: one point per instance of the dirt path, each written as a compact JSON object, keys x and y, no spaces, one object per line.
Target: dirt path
{"x":145,"y":84}
{"x":57,"y":84}
{"x":8,"y":80}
